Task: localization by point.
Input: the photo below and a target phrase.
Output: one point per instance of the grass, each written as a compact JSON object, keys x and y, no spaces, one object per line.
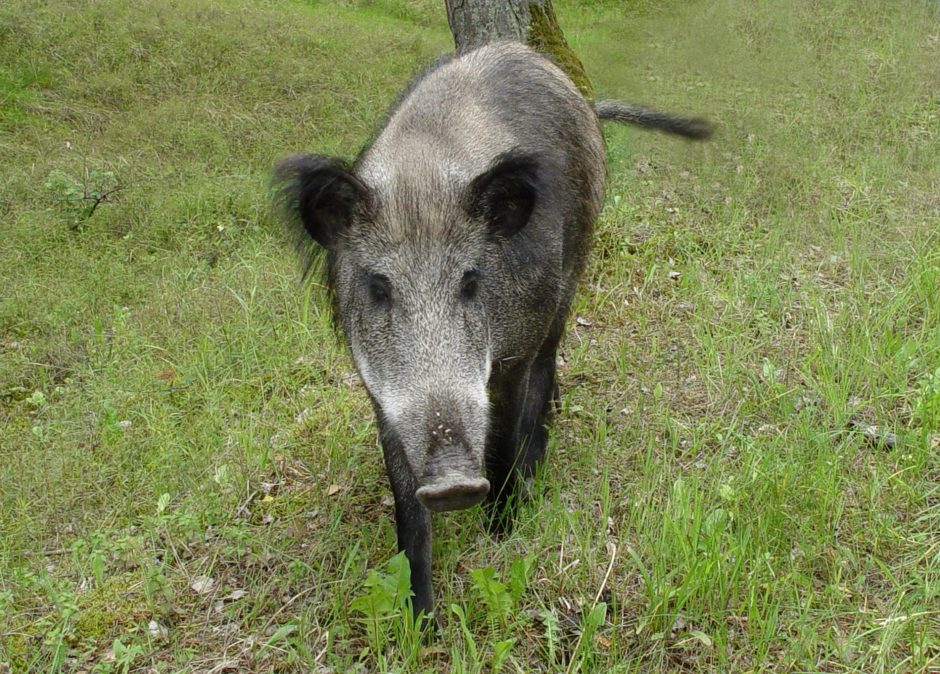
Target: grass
{"x":189,"y":472}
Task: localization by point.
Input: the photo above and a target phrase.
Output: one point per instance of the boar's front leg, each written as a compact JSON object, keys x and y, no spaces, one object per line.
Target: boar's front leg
{"x":412,"y":520}
{"x":538,"y":401}
{"x":541,"y":396}
{"x":522,"y":412}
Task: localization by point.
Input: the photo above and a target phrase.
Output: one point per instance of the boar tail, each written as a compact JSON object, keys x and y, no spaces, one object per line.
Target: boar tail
{"x":690,"y":127}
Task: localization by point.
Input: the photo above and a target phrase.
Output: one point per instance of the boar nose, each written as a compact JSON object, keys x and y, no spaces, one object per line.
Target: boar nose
{"x":453,"y":492}
{"x":451,"y":480}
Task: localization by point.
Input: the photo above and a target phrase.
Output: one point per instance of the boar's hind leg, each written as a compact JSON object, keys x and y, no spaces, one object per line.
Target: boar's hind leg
{"x":412,"y":521}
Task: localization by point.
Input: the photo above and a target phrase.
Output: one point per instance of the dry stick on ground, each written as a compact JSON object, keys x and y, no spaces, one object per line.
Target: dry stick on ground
{"x":99,"y":198}
{"x":874,"y":436}
{"x":597,"y":598}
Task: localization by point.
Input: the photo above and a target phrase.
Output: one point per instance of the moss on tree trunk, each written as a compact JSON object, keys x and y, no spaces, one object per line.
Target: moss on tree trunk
{"x":476,"y":22}
{"x":545,"y":35}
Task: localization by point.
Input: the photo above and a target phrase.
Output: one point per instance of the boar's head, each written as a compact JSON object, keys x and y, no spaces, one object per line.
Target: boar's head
{"x":424,"y":265}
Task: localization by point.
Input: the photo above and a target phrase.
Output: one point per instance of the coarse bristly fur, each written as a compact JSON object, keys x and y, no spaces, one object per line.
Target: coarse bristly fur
{"x":695,"y":128}
{"x":454,"y":245}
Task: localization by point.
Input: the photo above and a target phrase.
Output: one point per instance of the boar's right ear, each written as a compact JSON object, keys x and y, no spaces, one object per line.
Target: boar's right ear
{"x":505,"y":195}
{"x":320,"y":194}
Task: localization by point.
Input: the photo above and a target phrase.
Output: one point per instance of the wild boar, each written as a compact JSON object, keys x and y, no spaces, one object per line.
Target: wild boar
{"x":454,"y":245}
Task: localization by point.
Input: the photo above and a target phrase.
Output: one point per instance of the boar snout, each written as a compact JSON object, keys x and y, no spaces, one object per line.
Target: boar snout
{"x":451,"y":481}
{"x":453,"y":492}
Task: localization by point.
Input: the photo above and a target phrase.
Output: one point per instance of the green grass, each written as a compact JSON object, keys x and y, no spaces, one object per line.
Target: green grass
{"x":189,"y":472}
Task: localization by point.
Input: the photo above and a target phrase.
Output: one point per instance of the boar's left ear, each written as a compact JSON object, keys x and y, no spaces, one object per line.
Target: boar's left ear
{"x":320,"y":193}
{"x":505,"y":195}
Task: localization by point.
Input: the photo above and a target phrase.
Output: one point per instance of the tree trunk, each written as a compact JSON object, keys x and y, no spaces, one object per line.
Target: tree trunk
{"x":476,"y":22}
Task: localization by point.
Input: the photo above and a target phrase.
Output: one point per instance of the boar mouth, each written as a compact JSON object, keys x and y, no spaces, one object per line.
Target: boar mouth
{"x":453,"y":492}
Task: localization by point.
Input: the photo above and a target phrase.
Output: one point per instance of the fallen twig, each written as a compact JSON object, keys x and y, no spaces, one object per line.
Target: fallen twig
{"x":874,"y":436}
{"x":597,"y":598}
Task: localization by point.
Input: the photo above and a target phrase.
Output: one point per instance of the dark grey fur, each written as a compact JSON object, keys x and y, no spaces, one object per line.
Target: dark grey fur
{"x":453,"y":247}
{"x":696,"y":128}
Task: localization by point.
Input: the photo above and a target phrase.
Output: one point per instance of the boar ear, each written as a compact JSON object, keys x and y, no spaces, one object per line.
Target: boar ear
{"x":504,"y":196}
{"x":319,"y":194}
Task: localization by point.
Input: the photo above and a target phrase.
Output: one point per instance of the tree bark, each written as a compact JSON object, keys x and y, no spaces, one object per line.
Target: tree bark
{"x":476,"y":22}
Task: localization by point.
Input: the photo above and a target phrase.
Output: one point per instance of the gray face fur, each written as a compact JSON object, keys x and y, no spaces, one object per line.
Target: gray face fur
{"x":414,"y":312}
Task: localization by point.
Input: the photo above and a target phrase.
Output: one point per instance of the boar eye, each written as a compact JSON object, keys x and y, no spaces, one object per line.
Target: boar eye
{"x":380,"y":289}
{"x":470,"y":285}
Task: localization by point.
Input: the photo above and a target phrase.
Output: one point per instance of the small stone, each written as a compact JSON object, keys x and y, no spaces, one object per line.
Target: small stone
{"x":157,"y":631}
{"x":203,"y":585}
{"x":235,"y":595}
{"x":268,"y":487}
